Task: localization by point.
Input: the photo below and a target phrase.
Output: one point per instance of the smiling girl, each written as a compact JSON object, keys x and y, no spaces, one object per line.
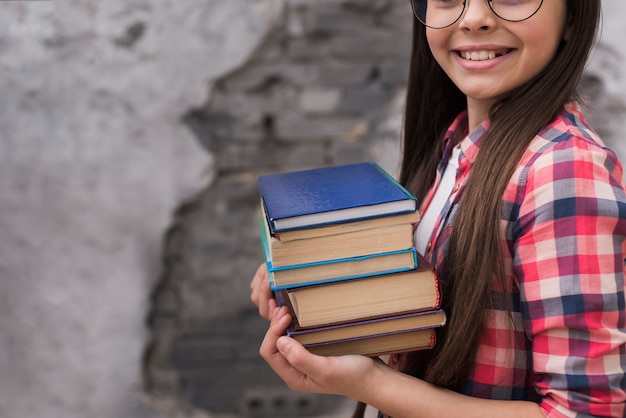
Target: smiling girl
{"x":524,"y":216}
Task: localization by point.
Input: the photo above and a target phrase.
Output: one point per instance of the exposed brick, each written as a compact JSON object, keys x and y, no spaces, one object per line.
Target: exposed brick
{"x":314,"y":94}
{"x":345,"y":74}
{"x":294,"y":127}
{"x":163,"y":381}
{"x":221,"y":389}
{"x":164,"y":324}
{"x":305,"y":156}
{"x":165,"y":300}
{"x":239,"y":156}
{"x":271,"y":156}
{"x":356,"y":101}
{"x":304,"y":49}
{"x":347,"y":153}
{"x":397,"y":19}
{"x":394,"y":73}
{"x":319,"y":100}
{"x":237,"y":187}
{"x":338,"y":21}
{"x":368,"y":45}
{"x":159,"y":355}
{"x":202,"y":352}
{"x":260,"y":77}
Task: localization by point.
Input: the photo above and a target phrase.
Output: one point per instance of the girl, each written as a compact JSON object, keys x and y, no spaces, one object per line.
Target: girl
{"x":524,"y":216}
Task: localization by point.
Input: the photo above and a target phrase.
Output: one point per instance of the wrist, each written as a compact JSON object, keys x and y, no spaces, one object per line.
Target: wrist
{"x":368,"y":388}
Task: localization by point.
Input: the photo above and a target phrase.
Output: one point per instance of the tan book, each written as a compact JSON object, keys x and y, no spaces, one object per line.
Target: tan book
{"x":368,"y":297}
{"x":349,"y":268}
{"x":342,"y":228}
{"x":335,"y":247}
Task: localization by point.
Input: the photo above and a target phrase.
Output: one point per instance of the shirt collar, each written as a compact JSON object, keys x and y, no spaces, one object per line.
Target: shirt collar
{"x":457,"y":134}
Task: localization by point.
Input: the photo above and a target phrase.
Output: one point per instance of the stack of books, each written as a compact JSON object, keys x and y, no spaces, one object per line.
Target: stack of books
{"x":338,"y":243}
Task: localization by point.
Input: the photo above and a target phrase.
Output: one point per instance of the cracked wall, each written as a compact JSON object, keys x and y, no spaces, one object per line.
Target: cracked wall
{"x":107,"y":124}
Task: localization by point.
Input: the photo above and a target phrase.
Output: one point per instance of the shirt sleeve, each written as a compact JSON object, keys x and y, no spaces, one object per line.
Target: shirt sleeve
{"x":569,"y":261}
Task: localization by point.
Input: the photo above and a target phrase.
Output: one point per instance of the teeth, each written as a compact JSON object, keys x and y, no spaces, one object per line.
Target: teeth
{"x":478,"y":55}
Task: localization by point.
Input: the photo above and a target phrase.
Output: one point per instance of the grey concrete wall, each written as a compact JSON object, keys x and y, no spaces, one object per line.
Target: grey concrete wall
{"x":94,"y":158}
{"x":607,"y":70}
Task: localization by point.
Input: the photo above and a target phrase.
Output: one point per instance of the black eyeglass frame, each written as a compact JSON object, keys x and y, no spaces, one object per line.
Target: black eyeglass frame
{"x":463,"y":11}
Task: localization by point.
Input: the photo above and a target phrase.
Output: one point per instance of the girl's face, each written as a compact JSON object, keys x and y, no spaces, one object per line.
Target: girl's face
{"x":487,"y":57}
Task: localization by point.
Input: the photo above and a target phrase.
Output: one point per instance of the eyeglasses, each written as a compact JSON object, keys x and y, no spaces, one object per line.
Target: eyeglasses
{"x":439,"y":14}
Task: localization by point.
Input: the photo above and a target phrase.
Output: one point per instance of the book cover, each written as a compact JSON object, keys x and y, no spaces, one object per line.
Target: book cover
{"x":343,"y":269}
{"x":330,"y":195}
{"x":362,"y":243}
{"x":345,"y":227}
{"x":364,"y":298}
{"x":378,"y":345}
{"x":367,"y":328}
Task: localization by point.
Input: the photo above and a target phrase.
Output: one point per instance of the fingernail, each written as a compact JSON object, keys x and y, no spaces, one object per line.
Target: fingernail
{"x":283,"y":344}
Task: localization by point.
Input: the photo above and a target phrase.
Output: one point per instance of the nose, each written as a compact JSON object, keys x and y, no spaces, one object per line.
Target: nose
{"x":477,"y":16}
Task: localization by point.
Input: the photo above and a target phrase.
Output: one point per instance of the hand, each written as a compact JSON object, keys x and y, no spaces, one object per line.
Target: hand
{"x":306,"y":372}
{"x":370,"y":381}
{"x":261,"y":294}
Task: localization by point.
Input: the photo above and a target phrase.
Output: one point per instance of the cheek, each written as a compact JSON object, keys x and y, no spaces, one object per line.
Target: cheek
{"x":437,"y":42}
{"x":543,"y":44}
{"x":541,"y":49}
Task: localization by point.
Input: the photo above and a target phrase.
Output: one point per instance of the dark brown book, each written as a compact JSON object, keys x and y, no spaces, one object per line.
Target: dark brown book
{"x":378,"y":345}
{"x":369,"y":327}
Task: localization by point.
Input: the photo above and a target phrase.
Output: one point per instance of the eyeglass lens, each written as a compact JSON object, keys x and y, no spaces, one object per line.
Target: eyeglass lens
{"x":439,"y":14}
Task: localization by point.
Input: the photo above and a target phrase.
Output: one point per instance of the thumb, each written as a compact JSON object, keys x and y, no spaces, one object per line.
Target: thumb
{"x":300,"y":358}
{"x":291,"y":349}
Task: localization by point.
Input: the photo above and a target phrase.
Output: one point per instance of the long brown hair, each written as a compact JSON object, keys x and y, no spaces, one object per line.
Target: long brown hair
{"x":432,"y":103}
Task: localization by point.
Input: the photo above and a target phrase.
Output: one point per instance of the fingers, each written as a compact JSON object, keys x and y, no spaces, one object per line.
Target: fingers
{"x":298,"y":356}
{"x":260,"y":292}
{"x":305,"y":372}
{"x":344,"y":375}
{"x":276,"y":359}
{"x":310,"y":371}
{"x":279,"y":323}
{"x":286,"y":356}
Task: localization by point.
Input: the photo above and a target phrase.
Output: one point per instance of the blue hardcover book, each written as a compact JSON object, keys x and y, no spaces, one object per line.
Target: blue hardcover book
{"x":316,"y":270}
{"x":342,"y":269}
{"x":323,"y":196}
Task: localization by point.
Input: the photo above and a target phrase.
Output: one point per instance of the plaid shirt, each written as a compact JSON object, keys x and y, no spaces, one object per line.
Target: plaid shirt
{"x":563,"y":226}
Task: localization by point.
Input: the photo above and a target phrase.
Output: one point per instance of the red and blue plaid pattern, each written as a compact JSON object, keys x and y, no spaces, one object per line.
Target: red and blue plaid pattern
{"x":563,"y":227}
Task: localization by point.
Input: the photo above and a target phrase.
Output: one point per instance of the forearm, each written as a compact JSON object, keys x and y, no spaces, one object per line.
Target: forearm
{"x":403,"y":396}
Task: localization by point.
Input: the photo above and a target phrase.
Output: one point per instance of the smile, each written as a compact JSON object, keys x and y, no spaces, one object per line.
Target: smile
{"x":481,"y":55}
